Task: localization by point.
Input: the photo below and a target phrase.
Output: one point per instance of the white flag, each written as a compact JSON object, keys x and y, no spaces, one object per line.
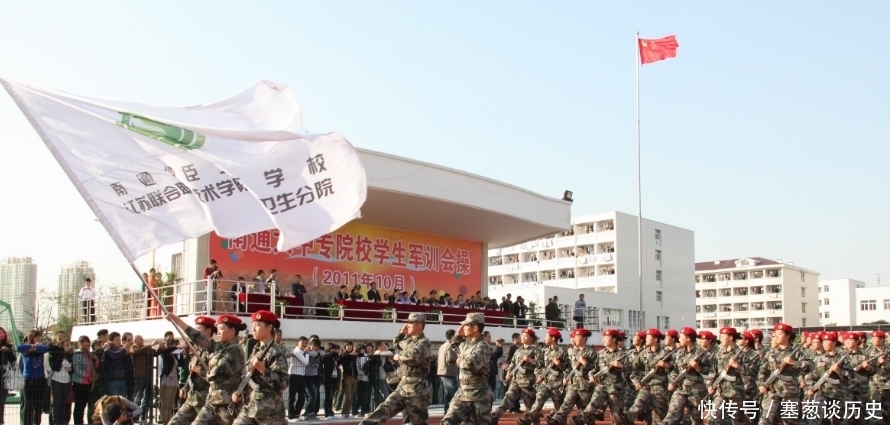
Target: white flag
{"x":157,"y":175}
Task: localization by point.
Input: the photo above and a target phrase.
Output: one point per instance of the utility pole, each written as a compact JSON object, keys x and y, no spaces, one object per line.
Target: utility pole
{"x":879,"y":278}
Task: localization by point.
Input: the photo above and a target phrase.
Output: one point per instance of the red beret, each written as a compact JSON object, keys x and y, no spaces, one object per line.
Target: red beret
{"x":688,"y":331}
{"x":265,"y":316}
{"x":878,"y":334}
{"x":816,"y":335}
{"x":229,"y":320}
{"x":783,"y":327}
{"x":757,"y":332}
{"x":206,"y":321}
{"x":612,"y":332}
{"x":672,"y":333}
{"x":530,"y":331}
{"x":656,"y":333}
{"x":748,"y":335}
{"x":851,"y":335}
{"x":806,"y":334}
{"x":640,"y":334}
{"x":829,"y":336}
{"x":727,"y":330}
{"x":554,"y":332}
{"x":862,"y":334}
{"x":579,"y":332}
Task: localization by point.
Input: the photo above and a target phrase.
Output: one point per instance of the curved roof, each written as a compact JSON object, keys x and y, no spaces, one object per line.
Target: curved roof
{"x":421,"y":197}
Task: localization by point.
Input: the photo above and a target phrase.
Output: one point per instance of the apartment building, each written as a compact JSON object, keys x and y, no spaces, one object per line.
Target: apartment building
{"x":754,"y":292}
{"x":598,"y":257}
{"x":849,"y":302}
{"x":18,"y":287}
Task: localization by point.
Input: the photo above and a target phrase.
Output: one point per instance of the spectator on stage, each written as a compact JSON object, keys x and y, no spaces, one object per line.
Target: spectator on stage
{"x":87,"y":296}
{"x":580,"y":311}
{"x":341,"y":294}
{"x":373,"y":294}
{"x":356,"y":293}
{"x":259,"y":283}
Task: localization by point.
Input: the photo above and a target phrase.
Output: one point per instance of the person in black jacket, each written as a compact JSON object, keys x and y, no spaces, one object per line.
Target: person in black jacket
{"x":496,"y":353}
{"x":510,"y":352}
{"x":7,"y":362}
{"x":331,"y":378}
{"x":373,"y":294}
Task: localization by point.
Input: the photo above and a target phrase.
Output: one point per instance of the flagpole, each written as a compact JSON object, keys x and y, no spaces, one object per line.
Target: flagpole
{"x":641,"y":322}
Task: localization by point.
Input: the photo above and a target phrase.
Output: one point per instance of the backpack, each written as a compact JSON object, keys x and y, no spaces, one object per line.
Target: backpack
{"x":100,"y":407}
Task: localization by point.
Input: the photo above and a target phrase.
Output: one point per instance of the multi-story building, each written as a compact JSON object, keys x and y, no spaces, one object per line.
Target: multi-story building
{"x":754,"y":292}
{"x":18,"y":288}
{"x":848,"y":302}
{"x":71,"y":279}
{"x":598,"y":257}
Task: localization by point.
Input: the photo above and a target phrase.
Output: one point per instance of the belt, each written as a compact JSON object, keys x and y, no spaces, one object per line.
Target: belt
{"x":414,"y":375}
{"x":473,"y":380}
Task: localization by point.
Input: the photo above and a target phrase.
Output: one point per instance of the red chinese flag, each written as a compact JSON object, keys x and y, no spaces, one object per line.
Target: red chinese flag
{"x":656,"y":50}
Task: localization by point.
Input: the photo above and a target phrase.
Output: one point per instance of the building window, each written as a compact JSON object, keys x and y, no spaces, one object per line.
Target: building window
{"x":658,"y":275}
{"x":826,"y":301}
{"x":802,"y":277}
{"x":664,"y":322}
{"x":867,"y":305}
{"x":825,"y":288}
{"x":803,"y":292}
{"x":658,"y":236}
{"x":826,"y":314}
{"x":176,"y":264}
{"x":658,"y":297}
{"x":803,"y":322}
{"x":803,"y":307}
{"x":658,"y":255}
{"x":611,"y":317}
{"x":886,"y":304}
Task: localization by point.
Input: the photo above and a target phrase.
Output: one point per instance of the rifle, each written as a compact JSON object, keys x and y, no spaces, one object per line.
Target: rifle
{"x":576,"y":370}
{"x":549,"y":370}
{"x":826,"y":377}
{"x":608,"y":367}
{"x":656,"y":369}
{"x":725,"y":375}
{"x":683,"y":375}
{"x":512,"y":372}
{"x":234,"y":407}
{"x":775,"y":375}
{"x":871,"y":359}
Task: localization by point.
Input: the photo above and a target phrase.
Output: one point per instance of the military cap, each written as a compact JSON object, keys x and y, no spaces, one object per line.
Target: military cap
{"x":640,"y":334}
{"x":851,"y":335}
{"x":728,"y":330}
{"x":611,"y":332}
{"x":206,"y":321}
{"x":672,"y":333}
{"x":816,"y":335}
{"x":878,"y":333}
{"x":621,"y":335}
{"x":783,"y":327}
{"x":474,"y":319}
{"x":656,"y":333}
{"x":529,"y":331}
{"x":229,"y":320}
{"x":806,"y":334}
{"x":579,"y":332}
{"x":554,"y":332}
{"x":267,"y":317}
{"x":757,"y":332}
{"x":417,"y":317}
{"x":688,"y":331}
{"x":829,"y":336}
{"x":748,"y":335}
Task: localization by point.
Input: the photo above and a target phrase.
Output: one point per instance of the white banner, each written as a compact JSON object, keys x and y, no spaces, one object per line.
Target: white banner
{"x":157,"y":175}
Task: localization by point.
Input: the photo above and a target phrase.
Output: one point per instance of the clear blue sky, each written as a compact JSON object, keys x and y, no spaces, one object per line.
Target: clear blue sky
{"x":767,"y":135}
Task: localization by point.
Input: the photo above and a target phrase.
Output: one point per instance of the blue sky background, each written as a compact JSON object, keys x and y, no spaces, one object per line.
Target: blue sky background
{"x":767,"y":135}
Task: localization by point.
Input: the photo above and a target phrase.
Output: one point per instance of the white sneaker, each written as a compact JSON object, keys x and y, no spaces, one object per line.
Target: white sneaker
{"x":327,"y":418}
{"x":360,"y":415}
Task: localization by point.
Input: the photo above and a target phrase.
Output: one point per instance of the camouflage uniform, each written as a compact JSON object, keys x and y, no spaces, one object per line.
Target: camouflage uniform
{"x":691,"y":388}
{"x":630,"y":392}
{"x":226,"y":365}
{"x":807,"y":419}
{"x":198,"y":388}
{"x":550,"y":378}
{"x":472,"y":402}
{"x":579,"y":390}
{"x":880,"y":384}
{"x":732,"y":388}
{"x":652,"y":398}
{"x":523,"y":383}
{"x":786,"y":388}
{"x":749,"y":376}
{"x":858,"y":389}
{"x":264,"y":400}
{"x":830,"y":390}
{"x":609,"y":389}
{"x":413,"y":393}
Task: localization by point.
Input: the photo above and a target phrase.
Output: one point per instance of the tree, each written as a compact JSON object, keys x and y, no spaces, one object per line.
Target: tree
{"x":877,"y":322}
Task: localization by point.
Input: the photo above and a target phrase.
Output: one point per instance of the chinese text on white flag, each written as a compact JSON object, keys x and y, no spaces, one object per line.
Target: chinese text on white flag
{"x":158,"y":175}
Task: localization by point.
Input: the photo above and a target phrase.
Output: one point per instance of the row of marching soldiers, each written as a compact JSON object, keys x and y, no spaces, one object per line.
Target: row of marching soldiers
{"x":688,"y":376}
